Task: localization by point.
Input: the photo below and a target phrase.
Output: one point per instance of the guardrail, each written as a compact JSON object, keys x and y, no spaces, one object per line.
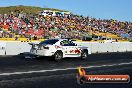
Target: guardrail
{"x":17,"y":47}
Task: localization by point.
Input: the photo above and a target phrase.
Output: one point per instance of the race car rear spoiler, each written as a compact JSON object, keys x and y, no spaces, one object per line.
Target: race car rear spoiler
{"x":33,"y":44}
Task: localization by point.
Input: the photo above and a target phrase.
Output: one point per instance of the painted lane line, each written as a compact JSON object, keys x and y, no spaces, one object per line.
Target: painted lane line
{"x":41,"y":71}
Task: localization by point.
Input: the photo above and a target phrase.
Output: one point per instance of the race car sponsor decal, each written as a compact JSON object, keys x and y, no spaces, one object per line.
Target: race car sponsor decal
{"x":71,"y":51}
{"x":75,"y":51}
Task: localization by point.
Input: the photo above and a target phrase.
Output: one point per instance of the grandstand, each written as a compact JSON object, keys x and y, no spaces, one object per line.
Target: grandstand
{"x":19,"y":25}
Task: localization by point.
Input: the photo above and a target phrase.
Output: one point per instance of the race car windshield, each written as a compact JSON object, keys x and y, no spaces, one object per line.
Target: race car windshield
{"x":51,"y":42}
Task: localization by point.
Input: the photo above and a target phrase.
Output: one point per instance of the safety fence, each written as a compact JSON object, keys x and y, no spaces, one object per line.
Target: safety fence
{"x":17,"y":47}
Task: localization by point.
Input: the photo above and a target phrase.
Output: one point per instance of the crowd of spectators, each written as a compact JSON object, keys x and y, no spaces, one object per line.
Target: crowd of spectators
{"x":60,"y":26}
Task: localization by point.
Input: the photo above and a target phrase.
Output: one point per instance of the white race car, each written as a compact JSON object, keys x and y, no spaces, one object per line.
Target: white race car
{"x":59,"y":48}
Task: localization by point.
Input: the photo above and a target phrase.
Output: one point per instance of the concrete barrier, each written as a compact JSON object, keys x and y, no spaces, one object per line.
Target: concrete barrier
{"x":15,"y":48}
{"x":2,"y":47}
{"x":110,"y":47}
{"x":94,"y":47}
{"x":102,"y":48}
{"x":128,"y":47}
{"x":122,"y":47}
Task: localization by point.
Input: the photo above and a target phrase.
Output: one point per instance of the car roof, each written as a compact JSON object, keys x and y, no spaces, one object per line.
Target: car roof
{"x":57,"y":39}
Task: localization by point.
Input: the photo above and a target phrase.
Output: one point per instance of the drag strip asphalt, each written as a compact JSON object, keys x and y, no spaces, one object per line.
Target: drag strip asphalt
{"x":41,"y":71}
{"x":65,"y":78}
{"x":10,"y":64}
{"x":17,"y":72}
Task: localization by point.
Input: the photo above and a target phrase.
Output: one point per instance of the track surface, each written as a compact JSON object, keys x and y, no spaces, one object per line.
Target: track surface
{"x":51,"y":74}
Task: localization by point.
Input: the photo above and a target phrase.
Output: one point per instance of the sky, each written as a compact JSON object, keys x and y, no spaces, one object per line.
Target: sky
{"x":104,"y":9}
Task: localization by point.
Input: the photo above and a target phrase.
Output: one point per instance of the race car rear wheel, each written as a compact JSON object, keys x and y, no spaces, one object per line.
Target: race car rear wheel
{"x":84,"y":54}
{"x":58,"y":56}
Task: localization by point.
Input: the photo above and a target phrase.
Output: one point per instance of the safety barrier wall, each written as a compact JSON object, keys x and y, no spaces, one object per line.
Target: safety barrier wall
{"x":2,"y":47}
{"x":15,"y":48}
{"x":108,"y":47}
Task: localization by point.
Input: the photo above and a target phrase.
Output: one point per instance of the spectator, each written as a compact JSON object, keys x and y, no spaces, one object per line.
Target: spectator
{"x":73,"y":26}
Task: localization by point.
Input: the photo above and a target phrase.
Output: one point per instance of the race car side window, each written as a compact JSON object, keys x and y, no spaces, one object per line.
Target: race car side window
{"x":72,"y":44}
{"x":67,"y":43}
{"x":64,"y":43}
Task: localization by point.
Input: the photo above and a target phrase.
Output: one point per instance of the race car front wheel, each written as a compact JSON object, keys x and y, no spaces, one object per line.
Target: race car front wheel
{"x":84,"y":54}
{"x":58,"y":56}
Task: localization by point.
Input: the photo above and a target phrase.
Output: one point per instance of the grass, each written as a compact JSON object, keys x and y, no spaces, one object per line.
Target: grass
{"x":24,"y":9}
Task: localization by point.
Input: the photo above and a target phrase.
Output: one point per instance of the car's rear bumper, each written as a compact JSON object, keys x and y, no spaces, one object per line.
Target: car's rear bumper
{"x":42,"y":53}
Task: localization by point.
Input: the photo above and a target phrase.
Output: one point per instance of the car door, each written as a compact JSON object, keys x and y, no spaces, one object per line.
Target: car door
{"x":70,"y":48}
